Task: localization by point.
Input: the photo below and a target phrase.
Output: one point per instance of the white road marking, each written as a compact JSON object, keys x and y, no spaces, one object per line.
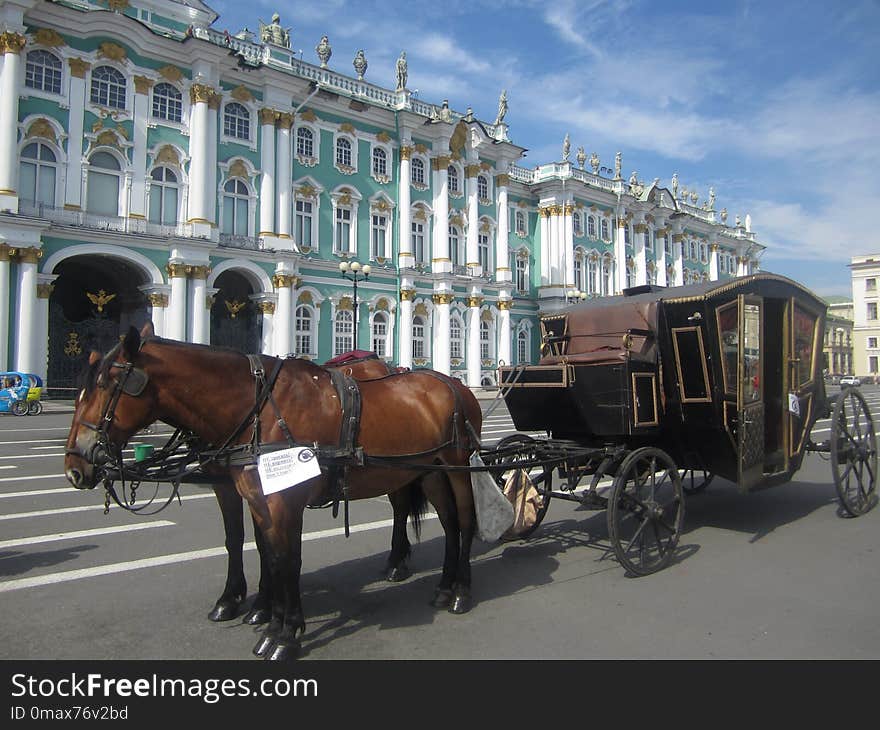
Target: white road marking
{"x":42,"y":539}
{"x":89,"y":507}
{"x":35,"y":476}
{"x":98,"y":570}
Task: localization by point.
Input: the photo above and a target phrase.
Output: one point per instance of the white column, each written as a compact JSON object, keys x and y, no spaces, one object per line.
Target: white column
{"x":474,"y":364}
{"x":440,"y":356}
{"x":440,"y":259}
{"x":660,"y":255}
{"x":742,"y":265}
{"x":158,"y":298}
{"x":677,"y":243}
{"x":405,"y":327}
{"x":26,"y":321}
{"x":4,"y":306}
{"x":502,"y":236}
{"x":568,"y":245}
{"x":713,"y":262}
{"x":283,"y":313}
{"x":472,"y":255}
{"x":175,"y":316}
{"x":41,"y":336}
{"x":268,"y":309}
{"x":544,"y":215}
{"x":284,"y":179}
{"x":267,"y":177}
{"x":200,"y":322}
{"x":11,"y":45}
{"x":210,"y":201}
{"x":555,"y":248}
{"x":77,"y":98}
{"x":405,"y":258}
{"x":640,"y":234}
{"x":138,"y":201}
{"x":504,"y":341}
{"x":620,"y":252}
{"x":200,"y":194}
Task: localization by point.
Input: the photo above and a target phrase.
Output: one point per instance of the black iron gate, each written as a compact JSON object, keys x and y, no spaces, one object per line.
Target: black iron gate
{"x":236,"y":320}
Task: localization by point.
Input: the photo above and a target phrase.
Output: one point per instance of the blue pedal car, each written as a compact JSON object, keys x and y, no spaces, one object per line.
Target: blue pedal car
{"x":20,"y":393}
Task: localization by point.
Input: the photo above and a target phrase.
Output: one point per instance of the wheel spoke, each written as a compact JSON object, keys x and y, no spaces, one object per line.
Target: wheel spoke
{"x":638,"y":532}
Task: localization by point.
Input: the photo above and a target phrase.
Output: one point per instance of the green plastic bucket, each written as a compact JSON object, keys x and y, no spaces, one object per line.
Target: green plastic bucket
{"x":142,"y":451}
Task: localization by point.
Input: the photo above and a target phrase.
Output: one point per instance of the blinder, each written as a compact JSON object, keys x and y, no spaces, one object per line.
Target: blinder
{"x":133,"y":381}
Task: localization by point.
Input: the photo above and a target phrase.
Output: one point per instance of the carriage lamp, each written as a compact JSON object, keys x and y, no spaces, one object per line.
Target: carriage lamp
{"x":354,"y":272}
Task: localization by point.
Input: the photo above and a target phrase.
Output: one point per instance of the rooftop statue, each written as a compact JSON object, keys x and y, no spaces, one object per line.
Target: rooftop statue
{"x":566,"y":148}
{"x":401,"y":71}
{"x":502,"y":107}
{"x":360,"y":64}
{"x":274,"y":33}
{"x":324,"y":51}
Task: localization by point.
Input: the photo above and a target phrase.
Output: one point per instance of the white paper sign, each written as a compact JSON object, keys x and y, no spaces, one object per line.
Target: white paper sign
{"x":794,"y":405}
{"x":283,"y":469}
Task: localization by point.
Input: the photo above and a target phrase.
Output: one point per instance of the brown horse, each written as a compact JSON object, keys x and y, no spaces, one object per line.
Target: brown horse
{"x":410,"y":424}
{"x":408,"y":502}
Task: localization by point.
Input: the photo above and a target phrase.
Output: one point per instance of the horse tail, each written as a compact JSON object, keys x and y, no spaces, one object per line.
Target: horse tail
{"x":418,"y":506}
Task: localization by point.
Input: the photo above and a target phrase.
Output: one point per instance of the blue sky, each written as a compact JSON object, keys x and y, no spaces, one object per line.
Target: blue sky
{"x":776,"y":105}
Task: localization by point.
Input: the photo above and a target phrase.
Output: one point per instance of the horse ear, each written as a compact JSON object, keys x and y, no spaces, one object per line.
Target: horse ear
{"x":147,"y":330}
{"x":132,"y":342}
{"x":94,"y":356}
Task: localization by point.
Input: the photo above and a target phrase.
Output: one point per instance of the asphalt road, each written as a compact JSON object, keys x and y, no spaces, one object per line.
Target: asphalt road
{"x":774,"y":574}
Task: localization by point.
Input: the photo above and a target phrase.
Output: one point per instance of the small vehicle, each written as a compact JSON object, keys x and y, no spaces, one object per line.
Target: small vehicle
{"x":20,"y":393}
{"x":850,"y":381}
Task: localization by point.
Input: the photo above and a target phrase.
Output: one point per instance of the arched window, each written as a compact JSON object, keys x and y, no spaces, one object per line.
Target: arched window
{"x":103,"y":182}
{"x":167,"y":103}
{"x":482,"y":187}
{"x":455,"y":339}
{"x":343,"y":152}
{"x":38,"y":173}
{"x":380,"y":162}
{"x":236,"y":121}
{"x":42,"y":71}
{"x":163,"y":196}
{"x":455,"y":245}
{"x":108,"y":87}
{"x":522,"y":347}
{"x":343,"y":332}
{"x":236,"y":199}
{"x":521,"y":223}
{"x":304,"y":342}
{"x":380,"y":334}
{"x":452,"y":177}
{"x":417,"y":171}
{"x":305,"y":142}
{"x":576,"y":224}
{"x":418,"y":337}
{"x":591,"y":226}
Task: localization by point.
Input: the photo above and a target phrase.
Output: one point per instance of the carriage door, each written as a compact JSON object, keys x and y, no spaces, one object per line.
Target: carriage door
{"x":802,"y":327}
{"x":750,"y":392}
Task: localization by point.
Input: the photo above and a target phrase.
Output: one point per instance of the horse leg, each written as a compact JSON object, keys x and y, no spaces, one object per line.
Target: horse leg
{"x":234,"y":592}
{"x":440,"y":495}
{"x":409,"y":499}
{"x":467,"y":524}
{"x":261,"y":609}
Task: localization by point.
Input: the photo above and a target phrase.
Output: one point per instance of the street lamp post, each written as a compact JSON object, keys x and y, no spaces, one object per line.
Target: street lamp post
{"x":354,"y":272}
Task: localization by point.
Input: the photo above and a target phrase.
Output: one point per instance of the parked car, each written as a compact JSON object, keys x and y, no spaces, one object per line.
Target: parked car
{"x":850,"y":381}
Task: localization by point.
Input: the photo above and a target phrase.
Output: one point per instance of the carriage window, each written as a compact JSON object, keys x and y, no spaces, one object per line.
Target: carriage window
{"x":728,"y":341}
{"x":804,"y":337}
{"x":751,"y":373}
{"x":555,"y":341}
{"x":644,"y":399}
{"x":690,"y":361}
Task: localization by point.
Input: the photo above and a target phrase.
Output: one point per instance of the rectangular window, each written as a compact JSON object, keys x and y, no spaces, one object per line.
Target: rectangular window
{"x":522,"y":279}
{"x":872,"y":310}
{"x":872,"y":363}
{"x":343,"y":229}
{"x":418,"y":242}
{"x":483,"y":251}
{"x":377,"y":237}
{"x":303,"y":223}
{"x":871,"y":284}
{"x":872,"y":342}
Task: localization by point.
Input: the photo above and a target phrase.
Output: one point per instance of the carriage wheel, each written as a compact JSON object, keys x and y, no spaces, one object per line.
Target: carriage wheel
{"x":853,"y":453}
{"x":694,"y":481}
{"x":542,"y":479}
{"x":35,"y":408}
{"x":646,"y":511}
{"x":19,"y":408}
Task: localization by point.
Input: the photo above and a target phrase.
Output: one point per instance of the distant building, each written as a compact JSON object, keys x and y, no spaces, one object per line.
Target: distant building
{"x":866,"y":318}
{"x":154,"y":167}
{"x":838,"y":347}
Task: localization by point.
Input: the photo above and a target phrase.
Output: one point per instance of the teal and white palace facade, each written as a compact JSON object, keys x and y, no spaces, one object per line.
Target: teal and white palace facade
{"x":155,"y":168}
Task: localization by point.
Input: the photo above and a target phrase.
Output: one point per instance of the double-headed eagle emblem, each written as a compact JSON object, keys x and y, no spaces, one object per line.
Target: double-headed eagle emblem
{"x":100,"y":299}
{"x":234,"y":306}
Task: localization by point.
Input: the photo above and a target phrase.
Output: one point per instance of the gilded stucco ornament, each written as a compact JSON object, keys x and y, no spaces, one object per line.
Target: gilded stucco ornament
{"x":48,"y":38}
{"x":581,"y":157}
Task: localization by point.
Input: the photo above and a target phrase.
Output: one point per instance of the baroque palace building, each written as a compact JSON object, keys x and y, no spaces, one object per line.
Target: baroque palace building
{"x":155,"y":168}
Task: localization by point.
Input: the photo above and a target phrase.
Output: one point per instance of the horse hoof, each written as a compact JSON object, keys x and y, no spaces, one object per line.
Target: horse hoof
{"x":264,"y":646}
{"x":442,"y":598}
{"x":224,"y":611}
{"x":283,"y":651}
{"x":257,"y":617}
{"x":461,"y":603}
{"x":398,"y":573}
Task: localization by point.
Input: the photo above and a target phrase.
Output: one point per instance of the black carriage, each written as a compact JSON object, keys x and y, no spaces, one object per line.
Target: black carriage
{"x":647,"y":396}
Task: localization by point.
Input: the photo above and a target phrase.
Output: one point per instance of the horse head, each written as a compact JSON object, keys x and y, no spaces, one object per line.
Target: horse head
{"x":115,"y":402}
